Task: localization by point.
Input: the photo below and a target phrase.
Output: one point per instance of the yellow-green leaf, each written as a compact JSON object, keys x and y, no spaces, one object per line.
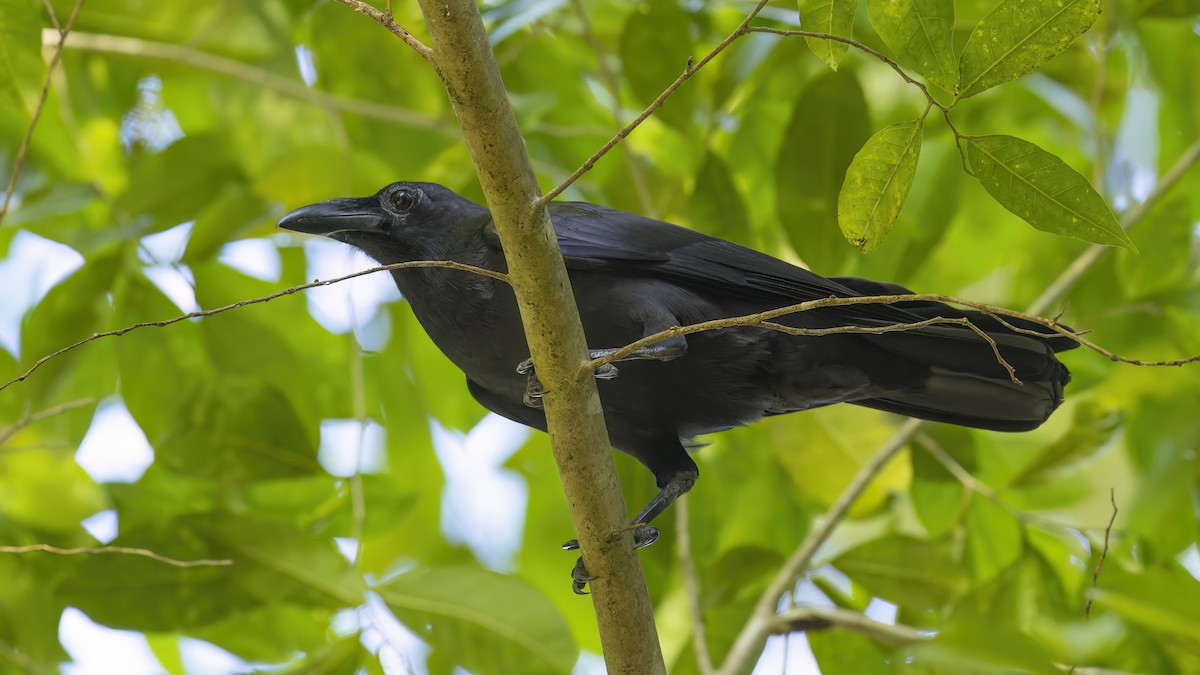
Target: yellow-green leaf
{"x":835,"y":17}
{"x":877,"y":183}
{"x":919,"y":31}
{"x":1041,"y":189}
{"x":1018,"y":37}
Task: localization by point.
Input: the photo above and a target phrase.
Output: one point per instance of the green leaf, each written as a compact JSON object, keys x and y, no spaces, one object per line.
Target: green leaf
{"x":47,"y":490}
{"x":828,"y":125}
{"x":153,"y":363}
{"x":344,"y":657}
{"x":823,"y":450}
{"x":1155,"y":598}
{"x":1164,"y":238}
{"x":838,"y":651}
{"x":233,"y":211}
{"x":1135,"y":9}
{"x":717,"y":206}
{"x":137,"y":593}
{"x":1041,"y":189}
{"x":835,"y":17}
{"x":1063,"y":552}
{"x":1092,"y":427}
{"x":937,"y":495}
{"x":919,"y":31}
{"x":75,"y":308}
{"x":916,"y":574}
{"x":21,"y":63}
{"x":1018,"y":37}
{"x":488,"y":622}
{"x":276,"y":562}
{"x":979,"y":649}
{"x":994,"y":538}
{"x":236,"y":430}
{"x":654,"y":49}
{"x":273,"y":632}
{"x":178,"y":184}
{"x":877,"y":183}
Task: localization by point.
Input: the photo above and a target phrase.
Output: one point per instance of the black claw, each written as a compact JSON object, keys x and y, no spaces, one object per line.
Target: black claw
{"x":580,"y":577}
{"x":533,"y":388}
{"x":644,"y":536}
{"x":531,"y":402}
{"x":605,"y":372}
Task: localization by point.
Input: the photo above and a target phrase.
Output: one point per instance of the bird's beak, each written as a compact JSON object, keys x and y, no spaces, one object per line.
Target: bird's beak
{"x":337,"y":215}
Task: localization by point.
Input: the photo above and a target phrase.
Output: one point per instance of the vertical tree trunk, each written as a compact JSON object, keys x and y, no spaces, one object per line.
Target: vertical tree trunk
{"x":464,"y":60}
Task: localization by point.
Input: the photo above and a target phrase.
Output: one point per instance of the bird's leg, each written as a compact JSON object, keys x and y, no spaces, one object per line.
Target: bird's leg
{"x":666,"y":350}
{"x":677,"y":485}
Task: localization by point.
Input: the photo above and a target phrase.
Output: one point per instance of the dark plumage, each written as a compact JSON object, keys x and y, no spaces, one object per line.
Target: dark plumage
{"x":633,"y":276}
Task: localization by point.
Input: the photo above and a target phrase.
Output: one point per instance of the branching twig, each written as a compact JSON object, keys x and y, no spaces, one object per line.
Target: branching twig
{"x":996,"y":312}
{"x":762,"y":622}
{"x":742,"y":30}
{"x":30,"y":418}
{"x":691,"y":584}
{"x":23,"y":149}
{"x":384,"y":18}
{"x":189,"y":56}
{"x":1087,"y":609}
{"x":945,"y":109}
{"x":448,"y":264}
{"x":689,"y":70}
{"x":46,"y":548}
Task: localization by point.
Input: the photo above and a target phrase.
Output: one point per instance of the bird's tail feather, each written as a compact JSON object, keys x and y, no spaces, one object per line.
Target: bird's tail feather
{"x":968,"y":385}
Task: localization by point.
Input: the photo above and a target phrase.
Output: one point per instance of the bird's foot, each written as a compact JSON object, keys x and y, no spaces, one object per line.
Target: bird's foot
{"x":643,"y":536}
{"x":533,"y":387}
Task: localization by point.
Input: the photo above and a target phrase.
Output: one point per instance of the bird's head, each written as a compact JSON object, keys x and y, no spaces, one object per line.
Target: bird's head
{"x":401,"y":221}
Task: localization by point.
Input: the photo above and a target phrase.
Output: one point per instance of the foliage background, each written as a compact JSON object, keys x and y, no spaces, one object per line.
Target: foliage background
{"x":169,"y":113}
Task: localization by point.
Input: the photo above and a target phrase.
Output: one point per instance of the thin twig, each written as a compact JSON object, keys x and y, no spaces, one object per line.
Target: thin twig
{"x":1087,"y":609}
{"x":614,"y":90}
{"x":385,"y":19}
{"x":28,"y":418}
{"x":691,"y":584}
{"x":820,"y":618}
{"x":23,"y":149}
{"x":447,"y":264}
{"x":53,"y":16}
{"x":125,"y":550}
{"x":689,"y":70}
{"x":189,"y":56}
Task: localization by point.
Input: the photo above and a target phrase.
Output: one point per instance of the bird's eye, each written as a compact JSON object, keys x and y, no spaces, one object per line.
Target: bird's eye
{"x":403,"y":200}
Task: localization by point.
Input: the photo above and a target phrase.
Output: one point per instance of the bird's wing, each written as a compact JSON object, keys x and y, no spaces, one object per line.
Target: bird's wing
{"x":594,"y":237}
